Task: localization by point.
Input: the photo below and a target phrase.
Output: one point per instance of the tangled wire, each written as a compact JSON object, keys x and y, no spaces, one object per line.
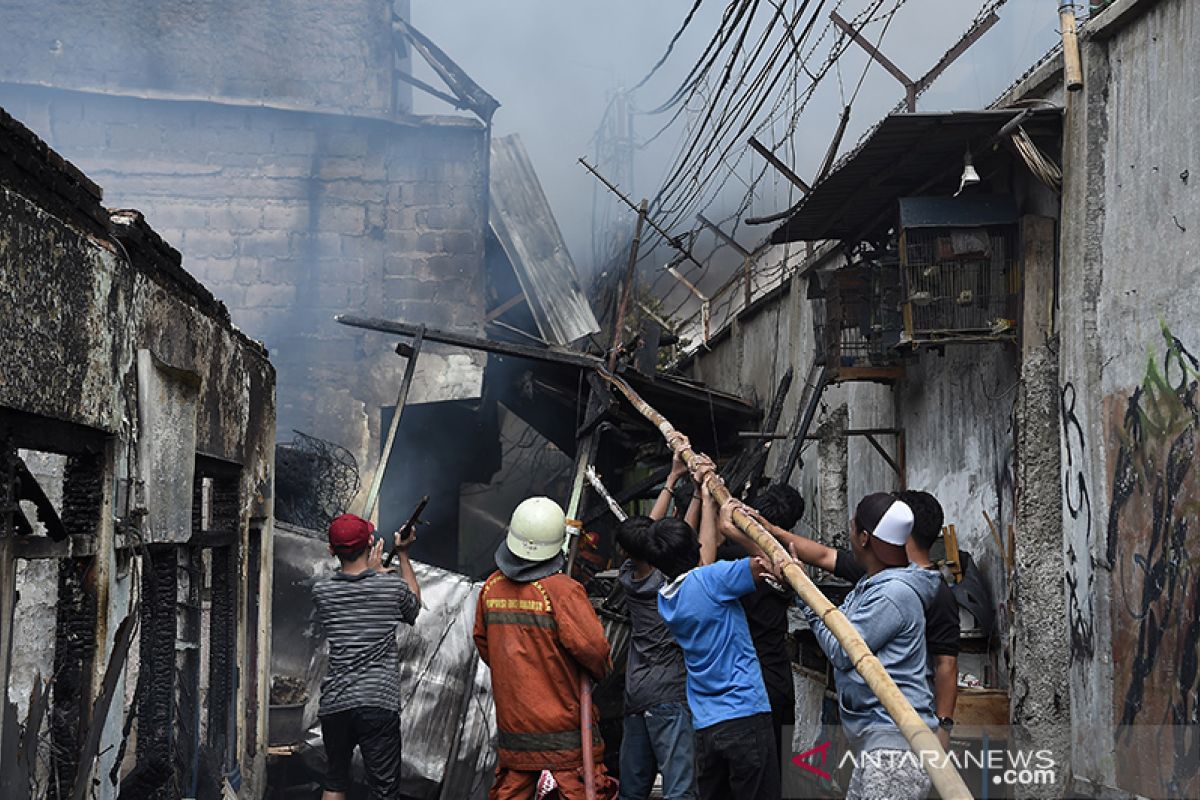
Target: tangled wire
{"x":315,"y":481}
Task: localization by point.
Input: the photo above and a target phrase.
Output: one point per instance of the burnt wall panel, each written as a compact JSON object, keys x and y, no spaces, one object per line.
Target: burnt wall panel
{"x":156,"y":709}
{"x":75,"y":626}
{"x":74,"y":649}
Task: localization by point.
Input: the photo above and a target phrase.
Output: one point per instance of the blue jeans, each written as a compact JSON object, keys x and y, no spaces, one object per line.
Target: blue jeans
{"x":659,"y":739}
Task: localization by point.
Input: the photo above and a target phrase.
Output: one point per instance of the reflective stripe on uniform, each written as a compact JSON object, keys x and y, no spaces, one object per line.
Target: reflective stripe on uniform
{"x":520,"y":618}
{"x":537,"y":742}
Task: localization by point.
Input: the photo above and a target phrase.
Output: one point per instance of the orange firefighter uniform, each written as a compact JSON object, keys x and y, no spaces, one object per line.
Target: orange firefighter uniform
{"x":537,"y":637}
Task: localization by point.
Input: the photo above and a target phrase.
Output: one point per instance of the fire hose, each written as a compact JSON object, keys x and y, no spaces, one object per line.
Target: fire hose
{"x":920,"y":738}
{"x":585,"y":732}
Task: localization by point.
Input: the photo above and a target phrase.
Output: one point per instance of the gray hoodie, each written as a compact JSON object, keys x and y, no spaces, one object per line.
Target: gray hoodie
{"x":888,"y":609}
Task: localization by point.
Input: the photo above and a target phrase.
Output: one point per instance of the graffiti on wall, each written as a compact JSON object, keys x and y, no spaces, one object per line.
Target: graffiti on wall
{"x":1152,"y":541}
{"x":1078,"y":503}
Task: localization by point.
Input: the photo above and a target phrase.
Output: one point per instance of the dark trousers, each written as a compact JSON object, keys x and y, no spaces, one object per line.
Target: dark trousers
{"x":659,"y":740}
{"x":376,"y":733}
{"x":783,"y":714}
{"x":736,"y":759}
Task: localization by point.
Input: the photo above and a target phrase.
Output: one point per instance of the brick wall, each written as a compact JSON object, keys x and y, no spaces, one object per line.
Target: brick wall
{"x":291,"y":218}
{"x":304,"y":53}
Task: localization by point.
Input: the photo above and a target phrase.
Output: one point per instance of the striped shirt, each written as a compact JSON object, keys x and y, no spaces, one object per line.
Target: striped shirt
{"x":360,"y":615}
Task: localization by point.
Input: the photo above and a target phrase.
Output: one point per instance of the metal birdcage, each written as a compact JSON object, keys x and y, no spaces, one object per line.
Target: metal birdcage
{"x":856,"y":316}
{"x":959,"y":269}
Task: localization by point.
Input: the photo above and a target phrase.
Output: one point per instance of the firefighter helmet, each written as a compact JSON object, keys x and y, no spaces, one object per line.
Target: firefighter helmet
{"x":537,"y":529}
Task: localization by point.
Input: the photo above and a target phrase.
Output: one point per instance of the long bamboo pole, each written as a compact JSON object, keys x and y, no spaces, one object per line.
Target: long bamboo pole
{"x":923,"y":742}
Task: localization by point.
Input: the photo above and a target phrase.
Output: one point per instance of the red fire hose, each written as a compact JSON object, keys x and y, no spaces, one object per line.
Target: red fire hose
{"x":585,"y":730}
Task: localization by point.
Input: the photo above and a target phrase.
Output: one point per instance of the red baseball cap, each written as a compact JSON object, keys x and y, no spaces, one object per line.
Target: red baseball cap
{"x":350,"y":532}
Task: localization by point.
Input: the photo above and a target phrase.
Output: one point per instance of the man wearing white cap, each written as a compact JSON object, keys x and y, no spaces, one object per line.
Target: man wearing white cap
{"x":537,"y":631}
{"x":888,"y":609}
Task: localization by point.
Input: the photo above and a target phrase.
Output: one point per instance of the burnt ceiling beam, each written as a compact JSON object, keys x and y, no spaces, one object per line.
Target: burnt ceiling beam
{"x":471,"y":342}
{"x":466,"y":89}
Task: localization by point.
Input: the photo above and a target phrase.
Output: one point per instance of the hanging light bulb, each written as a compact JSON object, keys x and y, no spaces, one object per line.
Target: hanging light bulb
{"x":969,"y":176}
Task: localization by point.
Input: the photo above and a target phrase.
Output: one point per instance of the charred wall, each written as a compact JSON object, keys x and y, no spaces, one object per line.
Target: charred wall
{"x":86,"y":291}
{"x":292,"y":217}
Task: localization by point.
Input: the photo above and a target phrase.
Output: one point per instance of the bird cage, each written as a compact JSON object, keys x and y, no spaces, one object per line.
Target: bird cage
{"x":959,"y":269}
{"x":856,"y":319}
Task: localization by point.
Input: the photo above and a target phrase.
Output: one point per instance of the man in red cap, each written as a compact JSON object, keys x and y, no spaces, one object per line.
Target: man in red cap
{"x":359,"y":608}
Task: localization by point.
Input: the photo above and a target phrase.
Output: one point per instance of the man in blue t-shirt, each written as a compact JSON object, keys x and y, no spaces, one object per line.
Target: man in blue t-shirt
{"x":735,"y":741}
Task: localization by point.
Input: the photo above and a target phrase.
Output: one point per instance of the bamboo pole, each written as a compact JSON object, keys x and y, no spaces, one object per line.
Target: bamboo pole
{"x":1072,"y":64}
{"x":923,"y":742}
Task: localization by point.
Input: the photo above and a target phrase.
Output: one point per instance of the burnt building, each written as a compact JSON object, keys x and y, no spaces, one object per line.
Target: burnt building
{"x":280,"y":152}
{"x":137,"y":431}
{"x":277,"y":149}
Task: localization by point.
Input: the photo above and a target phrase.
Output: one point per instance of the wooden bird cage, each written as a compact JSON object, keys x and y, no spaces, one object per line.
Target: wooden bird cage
{"x":856,"y":314}
{"x":959,"y":269}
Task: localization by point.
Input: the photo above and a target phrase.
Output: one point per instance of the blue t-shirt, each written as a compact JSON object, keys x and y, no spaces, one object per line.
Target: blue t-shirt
{"x":703,"y":612}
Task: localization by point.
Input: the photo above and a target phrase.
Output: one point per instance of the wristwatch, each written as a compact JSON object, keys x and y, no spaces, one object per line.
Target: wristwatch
{"x":946,"y":724}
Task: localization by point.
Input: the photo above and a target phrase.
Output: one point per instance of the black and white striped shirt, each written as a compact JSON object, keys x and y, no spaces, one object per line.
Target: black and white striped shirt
{"x":359,"y":615}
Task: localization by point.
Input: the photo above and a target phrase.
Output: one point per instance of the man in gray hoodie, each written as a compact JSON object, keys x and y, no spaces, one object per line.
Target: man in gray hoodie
{"x":888,"y":609}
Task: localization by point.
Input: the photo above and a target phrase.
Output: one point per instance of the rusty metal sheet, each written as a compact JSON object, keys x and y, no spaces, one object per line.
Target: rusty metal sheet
{"x":524,"y":224}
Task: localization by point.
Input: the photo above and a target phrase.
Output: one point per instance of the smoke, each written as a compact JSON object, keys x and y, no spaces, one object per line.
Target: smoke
{"x":555,"y":67}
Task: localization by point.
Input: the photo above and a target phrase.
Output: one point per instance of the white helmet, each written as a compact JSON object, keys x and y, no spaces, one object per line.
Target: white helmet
{"x":537,"y":529}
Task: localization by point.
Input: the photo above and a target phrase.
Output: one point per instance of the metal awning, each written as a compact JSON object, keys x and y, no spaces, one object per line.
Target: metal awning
{"x":906,"y":154}
{"x":525,"y":226}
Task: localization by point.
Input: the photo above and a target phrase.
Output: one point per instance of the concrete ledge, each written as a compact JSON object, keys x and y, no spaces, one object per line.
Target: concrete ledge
{"x":1111,"y":20}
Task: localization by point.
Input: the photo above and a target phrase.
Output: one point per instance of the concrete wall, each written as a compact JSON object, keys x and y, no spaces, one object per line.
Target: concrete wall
{"x":1129,"y":342}
{"x":311,"y":55}
{"x":1124,"y":353}
{"x":83,"y":294}
{"x":291,"y":218}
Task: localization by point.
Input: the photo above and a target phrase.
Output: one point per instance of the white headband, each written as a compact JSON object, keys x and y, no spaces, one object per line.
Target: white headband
{"x":896,"y":524}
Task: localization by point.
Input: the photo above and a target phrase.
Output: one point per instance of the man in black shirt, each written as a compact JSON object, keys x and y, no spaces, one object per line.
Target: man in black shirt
{"x":941,"y":616}
{"x":766,"y":612}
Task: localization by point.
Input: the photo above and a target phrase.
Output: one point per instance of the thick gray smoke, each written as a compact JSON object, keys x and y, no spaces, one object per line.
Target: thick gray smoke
{"x":555,"y":66}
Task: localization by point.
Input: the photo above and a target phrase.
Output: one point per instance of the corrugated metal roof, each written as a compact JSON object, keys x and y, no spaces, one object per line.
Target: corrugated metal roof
{"x":525,"y":226}
{"x":897,"y":159}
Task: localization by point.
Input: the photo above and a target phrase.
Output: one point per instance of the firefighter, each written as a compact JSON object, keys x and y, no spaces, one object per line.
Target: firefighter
{"x":545,"y":637}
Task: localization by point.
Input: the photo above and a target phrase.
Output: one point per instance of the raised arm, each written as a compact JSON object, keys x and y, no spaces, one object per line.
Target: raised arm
{"x":801,"y":548}
{"x":730,"y":531}
{"x":710,"y":539}
{"x":404,"y":540}
{"x":662,"y":503}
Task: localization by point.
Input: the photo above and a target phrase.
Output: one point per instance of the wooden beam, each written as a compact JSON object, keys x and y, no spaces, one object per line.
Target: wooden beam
{"x":627,"y":288}
{"x":410,"y":370}
{"x":872,"y":51}
{"x":774,"y":161}
{"x":871,"y":440}
{"x":32,"y":548}
{"x":505,"y":307}
{"x":1037,"y":283}
{"x":722,"y":235}
{"x":425,"y":87}
{"x":470,"y":342}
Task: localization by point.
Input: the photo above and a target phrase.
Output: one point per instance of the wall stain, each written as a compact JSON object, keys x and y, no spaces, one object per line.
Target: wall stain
{"x":1153,"y":540}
